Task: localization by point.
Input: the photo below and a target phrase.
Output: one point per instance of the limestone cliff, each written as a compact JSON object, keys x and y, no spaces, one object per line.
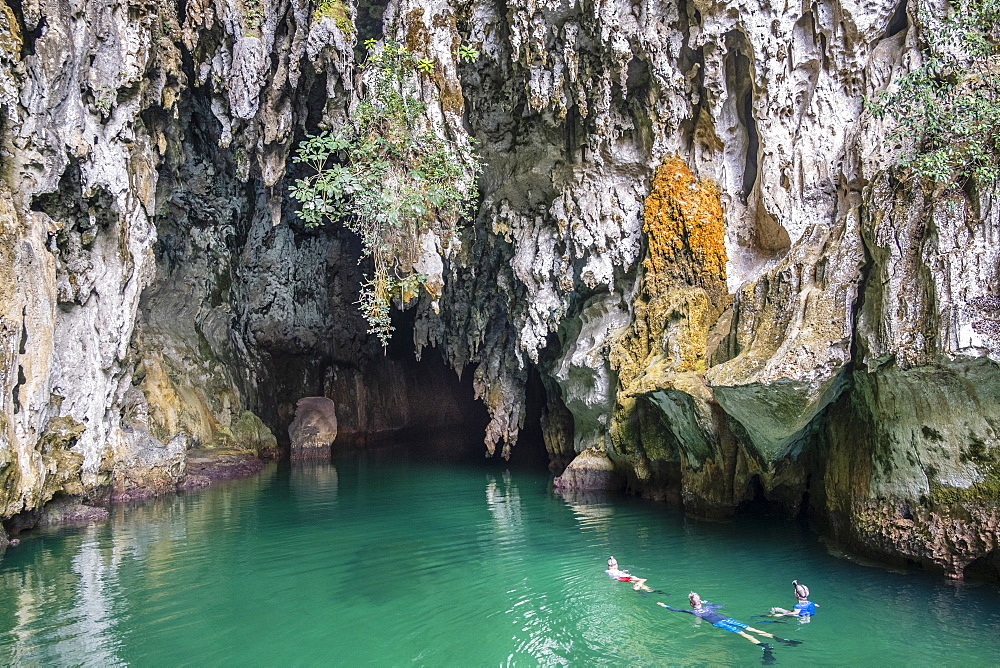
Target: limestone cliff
{"x":689,"y":233}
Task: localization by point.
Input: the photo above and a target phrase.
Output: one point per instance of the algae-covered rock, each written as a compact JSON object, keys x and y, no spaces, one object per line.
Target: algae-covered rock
{"x":247,"y":432}
{"x":913,"y":472}
{"x":250,"y":432}
{"x":61,"y":466}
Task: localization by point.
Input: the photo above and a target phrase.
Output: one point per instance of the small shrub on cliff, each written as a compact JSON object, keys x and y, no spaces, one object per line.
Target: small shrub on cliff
{"x":951,"y":104}
{"x":390,"y":176}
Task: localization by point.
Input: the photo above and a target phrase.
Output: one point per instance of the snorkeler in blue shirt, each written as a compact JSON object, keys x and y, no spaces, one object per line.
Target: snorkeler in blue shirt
{"x":804,"y":607}
{"x":707,"y":611}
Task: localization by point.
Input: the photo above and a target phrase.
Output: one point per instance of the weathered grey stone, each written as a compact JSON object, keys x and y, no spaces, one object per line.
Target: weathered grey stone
{"x":247,"y":77}
{"x":590,"y":470}
{"x":314,"y":428}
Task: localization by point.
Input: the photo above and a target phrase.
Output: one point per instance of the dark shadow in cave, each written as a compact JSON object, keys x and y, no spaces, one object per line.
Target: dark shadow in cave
{"x":898,"y":22}
{"x":757,"y":505}
{"x":985,"y":568}
{"x":529,"y":451}
{"x":422,"y":410}
{"x":368,"y":22}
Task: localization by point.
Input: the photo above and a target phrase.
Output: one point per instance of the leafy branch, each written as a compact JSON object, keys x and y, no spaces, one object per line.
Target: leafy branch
{"x":390,"y":176}
{"x":951,"y":104}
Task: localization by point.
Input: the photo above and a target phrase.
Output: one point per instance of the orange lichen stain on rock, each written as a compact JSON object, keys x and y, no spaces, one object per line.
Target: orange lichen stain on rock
{"x":683,"y":222}
{"x":10,"y":34}
{"x":684,"y":286}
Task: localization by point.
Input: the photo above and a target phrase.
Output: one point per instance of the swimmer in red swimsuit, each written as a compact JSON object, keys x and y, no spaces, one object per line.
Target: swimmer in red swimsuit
{"x":638,"y":584}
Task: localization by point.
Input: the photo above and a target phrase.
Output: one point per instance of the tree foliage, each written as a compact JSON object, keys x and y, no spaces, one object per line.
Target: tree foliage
{"x":390,"y":176}
{"x":950,"y":106}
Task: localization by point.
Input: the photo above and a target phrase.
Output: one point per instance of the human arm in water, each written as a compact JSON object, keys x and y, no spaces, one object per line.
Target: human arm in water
{"x":802,"y":609}
{"x":706,"y":611}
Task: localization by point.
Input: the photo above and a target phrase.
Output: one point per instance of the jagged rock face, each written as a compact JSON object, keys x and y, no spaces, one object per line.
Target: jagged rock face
{"x":689,"y":232}
{"x":828,"y":262}
{"x":78,"y":193}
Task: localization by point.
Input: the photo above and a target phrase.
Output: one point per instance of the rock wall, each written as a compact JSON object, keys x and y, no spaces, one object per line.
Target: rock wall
{"x":689,"y":231}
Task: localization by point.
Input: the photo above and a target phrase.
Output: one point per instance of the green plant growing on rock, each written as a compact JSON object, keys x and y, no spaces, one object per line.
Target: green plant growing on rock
{"x":253,"y":12}
{"x":951,"y":104}
{"x":467,"y":53}
{"x":390,"y":176}
{"x":336,"y":10}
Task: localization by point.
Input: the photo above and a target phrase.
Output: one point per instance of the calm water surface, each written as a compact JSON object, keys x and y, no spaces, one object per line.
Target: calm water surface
{"x":394,"y":564}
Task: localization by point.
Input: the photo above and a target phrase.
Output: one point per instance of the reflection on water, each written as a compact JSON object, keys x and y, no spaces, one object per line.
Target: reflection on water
{"x":311,"y":479}
{"x":504,"y":504}
{"x":400,"y":563}
{"x":593,"y":509}
{"x":69,"y":617}
{"x":63,"y":605}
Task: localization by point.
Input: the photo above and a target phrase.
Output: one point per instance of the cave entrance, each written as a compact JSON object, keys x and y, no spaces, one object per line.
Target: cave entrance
{"x":414,"y":407}
{"x":985,"y":568}
{"x":391,"y":404}
{"x":529,"y":450}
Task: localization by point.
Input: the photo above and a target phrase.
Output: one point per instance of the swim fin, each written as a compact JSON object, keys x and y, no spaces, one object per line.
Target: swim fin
{"x":767,"y":621}
{"x":768,"y":658}
{"x":790,"y":643}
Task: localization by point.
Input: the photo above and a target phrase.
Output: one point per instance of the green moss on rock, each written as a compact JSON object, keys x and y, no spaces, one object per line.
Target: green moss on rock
{"x":61,"y":433}
{"x":336,"y":10}
{"x":248,"y":433}
{"x":986,"y":492}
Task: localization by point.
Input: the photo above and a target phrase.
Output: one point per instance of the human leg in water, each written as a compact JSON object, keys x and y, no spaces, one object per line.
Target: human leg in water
{"x":639,"y":584}
{"x":743,"y":628}
{"x":767,"y":621}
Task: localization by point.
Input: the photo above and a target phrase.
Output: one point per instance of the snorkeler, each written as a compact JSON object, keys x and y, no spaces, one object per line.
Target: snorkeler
{"x":638,"y":584}
{"x":804,"y":607}
{"x":707,"y":611}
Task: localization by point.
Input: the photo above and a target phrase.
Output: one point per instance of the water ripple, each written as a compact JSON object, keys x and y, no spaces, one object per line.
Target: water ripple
{"x":400,"y":565}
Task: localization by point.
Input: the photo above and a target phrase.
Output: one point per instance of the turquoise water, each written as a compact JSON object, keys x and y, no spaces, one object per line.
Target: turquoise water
{"x":394,"y":564}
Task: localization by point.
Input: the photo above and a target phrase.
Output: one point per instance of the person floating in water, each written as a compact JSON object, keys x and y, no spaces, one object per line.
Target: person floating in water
{"x":638,"y":584}
{"x":707,"y":611}
{"x":804,"y":608}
